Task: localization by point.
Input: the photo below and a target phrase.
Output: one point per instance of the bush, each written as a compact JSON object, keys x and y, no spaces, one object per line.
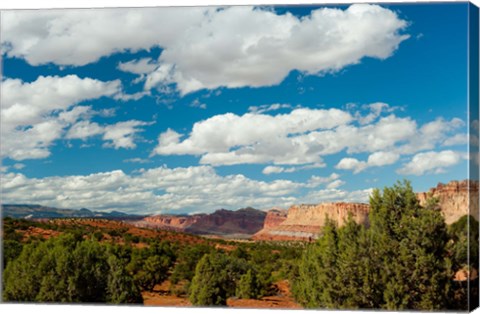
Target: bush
{"x":64,"y":269}
{"x":215,"y":279}
{"x":399,"y":263}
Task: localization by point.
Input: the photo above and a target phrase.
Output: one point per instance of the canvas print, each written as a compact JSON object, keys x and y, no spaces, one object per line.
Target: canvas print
{"x":318,"y":156}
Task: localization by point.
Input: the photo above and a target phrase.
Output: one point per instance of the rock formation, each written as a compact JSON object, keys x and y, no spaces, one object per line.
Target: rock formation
{"x":221,"y":222}
{"x":169,"y":222}
{"x":274,"y":218}
{"x":456,"y":199}
{"x":305,"y":222}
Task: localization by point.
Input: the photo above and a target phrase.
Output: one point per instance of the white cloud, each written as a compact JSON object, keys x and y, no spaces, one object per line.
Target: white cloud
{"x":432,"y":133}
{"x":430,"y":162}
{"x":246,"y":46}
{"x":141,"y":66}
{"x":122,"y":134}
{"x":197,"y":104}
{"x":53,"y":36}
{"x":303,"y":136}
{"x":261,"y":138}
{"x":335,"y":184}
{"x":374,"y":111}
{"x":134,"y":96}
{"x":457,"y":139}
{"x":183,"y":190}
{"x":377,"y":159}
{"x":119,"y":135}
{"x":19,"y":166}
{"x":26,"y":103}
{"x":268,"y":108}
{"x":335,"y":195}
{"x":207,"y":47}
{"x":316,"y":181}
{"x":351,"y":164}
{"x":137,"y":160}
{"x":275,"y":169}
{"x":35,"y":114}
{"x":149,"y":191}
{"x":83,"y":130}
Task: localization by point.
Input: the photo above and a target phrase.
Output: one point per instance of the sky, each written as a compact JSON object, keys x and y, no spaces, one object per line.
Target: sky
{"x":193,"y":109}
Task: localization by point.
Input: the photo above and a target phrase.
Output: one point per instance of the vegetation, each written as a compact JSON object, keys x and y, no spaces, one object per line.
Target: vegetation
{"x":402,"y":261}
{"x":406,"y":259}
{"x":64,"y":269}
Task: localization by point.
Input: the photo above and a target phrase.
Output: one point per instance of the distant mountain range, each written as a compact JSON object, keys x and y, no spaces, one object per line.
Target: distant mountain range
{"x":29,"y":211}
{"x":244,"y":221}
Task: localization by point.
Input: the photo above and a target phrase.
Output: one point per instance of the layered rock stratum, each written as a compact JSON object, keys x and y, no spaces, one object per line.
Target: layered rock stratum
{"x":455,"y":199}
{"x":245,"y":221}
{"x":305,"y":222}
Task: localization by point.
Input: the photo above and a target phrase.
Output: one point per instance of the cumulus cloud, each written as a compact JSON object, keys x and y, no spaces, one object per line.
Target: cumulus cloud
{"x":374,"y":111}
{"x":351,"y":164}
{"x":141,"y":66}
{"x":122,"y":134}
{"x":377,"y":159}
{"x":275,"y":169}
{"x":53,"y":36}
{"x":36,"y":114}
{"x":149,"y":191}
{"x":207,"y":47}
{"x":163,"y":189}
{"x":336,"y":195}
{"x":302,"y":137}
{"x":432,"y":133}
{"x":246,"y":46}
{"x":26,"y":103}
{"x":261,"y":138}
{"x":431,"y":162}
{"x":316,"y":181}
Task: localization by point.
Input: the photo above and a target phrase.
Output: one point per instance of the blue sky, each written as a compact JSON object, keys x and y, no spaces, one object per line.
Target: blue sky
{"x":188,"y":110}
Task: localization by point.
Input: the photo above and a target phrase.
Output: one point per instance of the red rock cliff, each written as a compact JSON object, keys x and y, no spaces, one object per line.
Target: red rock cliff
{"x":242,"y":221}
{"x":274,"y":218}
{"x":305,"y":222}
{"x":456,"y":199}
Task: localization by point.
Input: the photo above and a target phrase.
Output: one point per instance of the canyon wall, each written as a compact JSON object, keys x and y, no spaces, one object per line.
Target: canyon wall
{"x":221,"y":222}
{"x":169,"y":222}
{"x":274,"y":218}
{"x":305,"y":222}
{"x":455,"y":199}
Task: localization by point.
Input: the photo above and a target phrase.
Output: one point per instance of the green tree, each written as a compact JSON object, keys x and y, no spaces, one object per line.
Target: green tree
{"x":248,"y":287}
{"x":409,"y":242}
{"x":151,"y":266}
{"x":316,"y":285}
{"x":11,"y":250}
{"x":215,"y":280}
{"x":66,"y":269}
{"x":187,"y":260}
{"x":463,"y":248}
{"x":400,"y":262}
{"x":121,"y":287}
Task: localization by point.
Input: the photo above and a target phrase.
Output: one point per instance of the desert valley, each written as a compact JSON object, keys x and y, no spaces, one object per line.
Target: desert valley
{"x":245,"y":234}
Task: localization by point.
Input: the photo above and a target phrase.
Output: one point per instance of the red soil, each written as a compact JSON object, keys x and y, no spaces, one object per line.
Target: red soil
{"x":160,"y":296}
